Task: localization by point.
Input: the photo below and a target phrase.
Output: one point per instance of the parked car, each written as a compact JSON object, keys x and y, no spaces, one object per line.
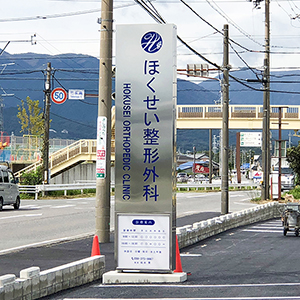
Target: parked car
{"x":182,"y":177}
{"x":287,"y":178}
{"x":9,"y":190}
{"x":200,"y":178}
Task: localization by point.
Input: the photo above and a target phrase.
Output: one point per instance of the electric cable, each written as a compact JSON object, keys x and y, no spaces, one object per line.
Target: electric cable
{"x":76,"y":122}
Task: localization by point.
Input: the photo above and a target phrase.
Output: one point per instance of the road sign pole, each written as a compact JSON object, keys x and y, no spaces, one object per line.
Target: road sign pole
{"x":47,"y":124}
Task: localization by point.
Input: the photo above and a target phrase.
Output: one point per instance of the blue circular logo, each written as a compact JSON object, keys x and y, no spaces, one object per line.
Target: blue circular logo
{"x":151,"y":42}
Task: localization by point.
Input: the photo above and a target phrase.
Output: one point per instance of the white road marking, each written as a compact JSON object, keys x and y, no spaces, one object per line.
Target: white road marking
{"x":30,"y":206}
{"x":200,"y":285}
{"x":190,"y":255}
{"x":64,"y":206}
{"x":261,"y":230}
{"x":181,"y":286}
{"x":223,"y":298}
{"x":21,"y":216}
{"x":197,"y":196}
{"x":266,"y":227}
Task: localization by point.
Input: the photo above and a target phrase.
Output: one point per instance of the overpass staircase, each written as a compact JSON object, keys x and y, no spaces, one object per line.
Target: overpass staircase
{"x":72,"y":155}
{"x":66,"y":158}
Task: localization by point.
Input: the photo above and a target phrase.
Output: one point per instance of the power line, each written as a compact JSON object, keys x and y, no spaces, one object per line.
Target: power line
{"x":76,"y":122}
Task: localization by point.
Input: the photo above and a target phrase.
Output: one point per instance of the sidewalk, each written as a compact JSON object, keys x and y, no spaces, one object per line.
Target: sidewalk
{"x":47,"y":257}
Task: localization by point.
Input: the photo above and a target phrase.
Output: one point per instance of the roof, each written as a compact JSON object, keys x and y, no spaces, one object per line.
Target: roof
{"x":189,"y":164}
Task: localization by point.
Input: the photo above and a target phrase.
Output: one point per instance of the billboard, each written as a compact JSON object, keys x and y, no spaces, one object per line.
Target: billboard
{"x":145,"y":143}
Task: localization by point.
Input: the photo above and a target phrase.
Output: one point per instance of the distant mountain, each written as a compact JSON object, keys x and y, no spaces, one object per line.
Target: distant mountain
{"x":24,"y":75}
{"x":281,"y":81}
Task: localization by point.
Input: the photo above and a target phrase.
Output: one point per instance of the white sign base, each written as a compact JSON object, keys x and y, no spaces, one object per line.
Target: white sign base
{"x":114,"y":277}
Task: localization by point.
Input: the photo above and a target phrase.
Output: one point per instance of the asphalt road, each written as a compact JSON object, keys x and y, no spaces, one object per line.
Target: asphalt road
{"x":251,"y":262}
{"x":52,"y":220}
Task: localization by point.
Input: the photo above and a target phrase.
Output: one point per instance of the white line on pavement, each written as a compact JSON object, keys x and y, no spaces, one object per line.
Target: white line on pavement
{"x":197,"y":196}
{"x":258,"y":230}
{"x":223,"y":298}
{"x":266,"y":227}
{"x":230,"y":298}
{"x":20,"y":216}
{"x":63,"y":206}
{"x":200,"y":285}
{"x":189,"y":255}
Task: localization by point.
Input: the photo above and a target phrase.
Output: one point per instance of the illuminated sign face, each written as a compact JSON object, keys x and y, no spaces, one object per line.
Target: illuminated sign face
{"x":145,"y":124}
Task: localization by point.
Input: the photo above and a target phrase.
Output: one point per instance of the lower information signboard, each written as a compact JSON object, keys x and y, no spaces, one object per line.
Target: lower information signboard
{"x":143,"y":242}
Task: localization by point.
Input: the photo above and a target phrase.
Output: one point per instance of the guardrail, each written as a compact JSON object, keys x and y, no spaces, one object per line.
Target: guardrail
{"x":36,"y":189}
{"x":214,"y":186}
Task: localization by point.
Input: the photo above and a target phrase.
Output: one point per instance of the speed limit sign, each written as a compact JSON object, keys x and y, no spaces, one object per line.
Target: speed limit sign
{"x":59,"y":95}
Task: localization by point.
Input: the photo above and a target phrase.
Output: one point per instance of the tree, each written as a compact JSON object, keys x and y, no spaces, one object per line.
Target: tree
{"x":31,"y":117}
{"x":293,"y":157}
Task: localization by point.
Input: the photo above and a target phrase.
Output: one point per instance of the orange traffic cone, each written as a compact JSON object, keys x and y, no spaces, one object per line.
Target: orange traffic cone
{"x":178,"y":259}
{"x":95,"y":246}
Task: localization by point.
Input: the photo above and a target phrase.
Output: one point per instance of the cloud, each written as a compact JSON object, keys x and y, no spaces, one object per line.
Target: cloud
{"x":80,"y":33}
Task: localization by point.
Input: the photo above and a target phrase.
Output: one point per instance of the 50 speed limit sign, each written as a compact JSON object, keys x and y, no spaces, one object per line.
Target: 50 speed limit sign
{"x":59,"y":95}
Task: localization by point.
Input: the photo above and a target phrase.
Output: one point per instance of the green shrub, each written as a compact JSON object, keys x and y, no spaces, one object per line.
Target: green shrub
{"x":295,"y":192}
{"x":33,"y":177}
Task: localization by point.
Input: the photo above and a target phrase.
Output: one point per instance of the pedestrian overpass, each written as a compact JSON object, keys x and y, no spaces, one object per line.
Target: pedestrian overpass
{"x":188,"y":117}
{"x":240,"y":117}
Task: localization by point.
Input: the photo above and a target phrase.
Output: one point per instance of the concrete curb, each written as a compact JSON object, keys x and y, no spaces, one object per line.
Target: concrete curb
{"x":191,"y":234}
{"x":34,"y":284}
{"x":47,"y":243}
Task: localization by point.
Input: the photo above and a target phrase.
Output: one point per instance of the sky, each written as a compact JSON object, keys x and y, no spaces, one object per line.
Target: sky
{"x":70,"y":26}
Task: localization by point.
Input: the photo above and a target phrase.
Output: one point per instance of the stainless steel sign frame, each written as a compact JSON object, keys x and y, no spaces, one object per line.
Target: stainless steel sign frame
{"x":145,"y":147}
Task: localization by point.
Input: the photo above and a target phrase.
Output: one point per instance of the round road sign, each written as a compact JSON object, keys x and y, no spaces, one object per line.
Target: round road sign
{"x":59,"y":95}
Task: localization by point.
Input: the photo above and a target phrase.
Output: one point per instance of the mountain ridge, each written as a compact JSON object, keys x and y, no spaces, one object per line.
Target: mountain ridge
{"x":76,"y":71}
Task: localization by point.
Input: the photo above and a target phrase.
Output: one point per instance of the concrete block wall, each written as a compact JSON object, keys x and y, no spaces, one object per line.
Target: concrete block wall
{"x":34,"y":284}
{"x":191,"y":234}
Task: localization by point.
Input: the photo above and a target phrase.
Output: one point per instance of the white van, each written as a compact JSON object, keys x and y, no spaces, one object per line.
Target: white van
{"x":9,"y":190}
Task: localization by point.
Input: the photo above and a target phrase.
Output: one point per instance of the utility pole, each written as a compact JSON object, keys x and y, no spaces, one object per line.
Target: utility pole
{"x":194,"y":166}
{"x":104,"y":116}
{"x":47,"y":92}
{"x":225,"y":131}
{"x":210,"y":157}
{"x":238,"y":157}
{"x":266,"y":159}
{"x":279,"y":154}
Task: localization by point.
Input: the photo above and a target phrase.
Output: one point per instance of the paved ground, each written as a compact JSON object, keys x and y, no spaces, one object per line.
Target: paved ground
{"x":58,"y":254}
{"x":254,"y":262}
